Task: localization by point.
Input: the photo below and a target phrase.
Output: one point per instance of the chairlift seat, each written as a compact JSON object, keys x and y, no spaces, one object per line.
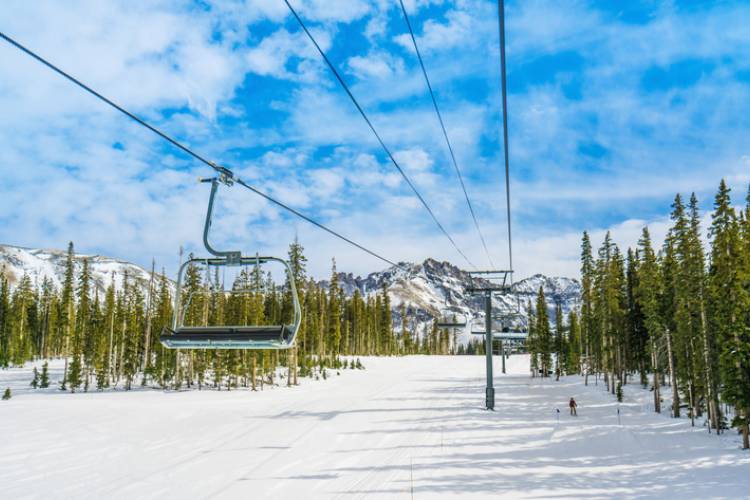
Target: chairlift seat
{"x":228,"y":337}
{"x":180,"y":336}
{"x":451,"y":325}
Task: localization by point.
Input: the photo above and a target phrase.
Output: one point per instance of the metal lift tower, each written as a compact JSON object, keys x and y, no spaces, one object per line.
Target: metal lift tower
{"x":491,"y":282}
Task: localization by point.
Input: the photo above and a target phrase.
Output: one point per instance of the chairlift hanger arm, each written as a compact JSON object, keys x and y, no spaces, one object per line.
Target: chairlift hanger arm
{"x":232,"y":256}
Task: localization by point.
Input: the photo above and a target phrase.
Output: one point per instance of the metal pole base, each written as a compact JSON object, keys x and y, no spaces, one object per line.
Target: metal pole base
{"x":489,"y":399}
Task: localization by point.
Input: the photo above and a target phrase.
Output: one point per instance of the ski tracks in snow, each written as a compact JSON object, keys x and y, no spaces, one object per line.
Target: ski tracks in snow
{"x":357,"y":436}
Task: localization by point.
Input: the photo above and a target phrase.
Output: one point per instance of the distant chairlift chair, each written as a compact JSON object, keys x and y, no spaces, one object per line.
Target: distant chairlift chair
{"x":228,"y":336}
{"x":446,"y":322}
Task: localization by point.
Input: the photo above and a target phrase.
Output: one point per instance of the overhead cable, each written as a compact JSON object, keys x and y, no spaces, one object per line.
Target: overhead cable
{"x":375,"y":132}
{"x":501,"y":27}
{"x":445,"y":134}
{"x":223,"y":171}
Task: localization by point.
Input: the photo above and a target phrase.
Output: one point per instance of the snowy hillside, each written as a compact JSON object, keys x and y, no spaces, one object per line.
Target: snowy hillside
{"x":43,"y":263}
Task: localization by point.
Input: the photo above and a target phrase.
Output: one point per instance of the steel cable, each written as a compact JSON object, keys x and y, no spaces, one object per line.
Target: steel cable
{"x":219,"y":169}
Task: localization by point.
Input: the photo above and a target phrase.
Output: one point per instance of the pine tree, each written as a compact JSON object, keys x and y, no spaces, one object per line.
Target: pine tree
{"x":648,"y":295}
{"x":543,"y":334}
{"x":4,"y":320}
{"x":134,"y":326}
{"x":608,"y":328}
{"x":532,"y":343}
{"x":432,"y":345}
{"x":298,"y":264}
{"x":666,"y":313}
{"x":75,"y":370}
{"x":587,"y":306}
{"x":47,"y":316}
{"x":688,"y":274}
{"x":386,"y":322}
{"x":334,"y":312}
{"x":22,"y":320}
{"x":7,"y":394}
{"x":560,"y":346}
{"x":637,"y":335}
{"x":699,"y":342}
{"x":669,"y":275}
{"x":35,"y":380}
{"x":574,"y":344}
{"x":406,"y":341}
{"x":83,"y":345}
{"x":67,"y":311}
{"x":44,"y":378}
{"x":148,"y":342}
{"x":104,"y":359}
{"x":739,"y":394}
{"x":729,"y":306}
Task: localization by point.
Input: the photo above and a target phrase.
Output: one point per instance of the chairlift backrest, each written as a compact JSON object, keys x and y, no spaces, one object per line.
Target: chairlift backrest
{"x":452,"y":321}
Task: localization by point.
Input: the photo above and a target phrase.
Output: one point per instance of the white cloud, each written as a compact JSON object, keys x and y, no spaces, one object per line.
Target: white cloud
{"x":375,"y":65}
{"x":416,"y":159}
{"x":547,"y":27}
{"x":143,"y":59}
{"x":332,"y":10}
{"x":326,"y":184}
{"x":272,"y":55}
{"x":459,"y":28}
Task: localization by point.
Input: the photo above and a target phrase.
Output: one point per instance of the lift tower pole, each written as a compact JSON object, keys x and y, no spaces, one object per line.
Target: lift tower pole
{"x":489,"y":397}
{"x":486,"y":284}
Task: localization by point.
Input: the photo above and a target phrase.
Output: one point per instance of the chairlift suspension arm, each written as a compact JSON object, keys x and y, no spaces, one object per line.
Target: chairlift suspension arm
{"x":232,"y":256}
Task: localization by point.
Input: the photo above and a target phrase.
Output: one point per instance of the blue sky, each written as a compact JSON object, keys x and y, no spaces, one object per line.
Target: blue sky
{"x":613,"y":108}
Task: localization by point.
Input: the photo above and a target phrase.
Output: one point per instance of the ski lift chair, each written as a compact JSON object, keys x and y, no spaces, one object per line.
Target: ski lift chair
{"x":180,"y":336}
{"x":451,"y":322}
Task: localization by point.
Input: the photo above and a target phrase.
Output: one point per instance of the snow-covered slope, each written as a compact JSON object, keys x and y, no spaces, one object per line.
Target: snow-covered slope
{"x":406,"y":427}
{"x":44,"y":263}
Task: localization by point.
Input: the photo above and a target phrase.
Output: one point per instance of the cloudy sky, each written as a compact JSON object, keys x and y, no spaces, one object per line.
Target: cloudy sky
{"x":613,"y":108}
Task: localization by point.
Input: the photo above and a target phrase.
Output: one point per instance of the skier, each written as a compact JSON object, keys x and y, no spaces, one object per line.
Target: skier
{"x":573,"y":405}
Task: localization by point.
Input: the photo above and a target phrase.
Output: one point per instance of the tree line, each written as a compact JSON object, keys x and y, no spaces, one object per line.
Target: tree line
{"x":674,"y":318}
{"x":112,"y":339}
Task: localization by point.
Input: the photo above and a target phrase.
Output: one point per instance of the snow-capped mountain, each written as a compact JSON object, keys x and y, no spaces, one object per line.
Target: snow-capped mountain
{"x":428,"y":290}
{"x":49,"y":263}
{"x":439,"y":290}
